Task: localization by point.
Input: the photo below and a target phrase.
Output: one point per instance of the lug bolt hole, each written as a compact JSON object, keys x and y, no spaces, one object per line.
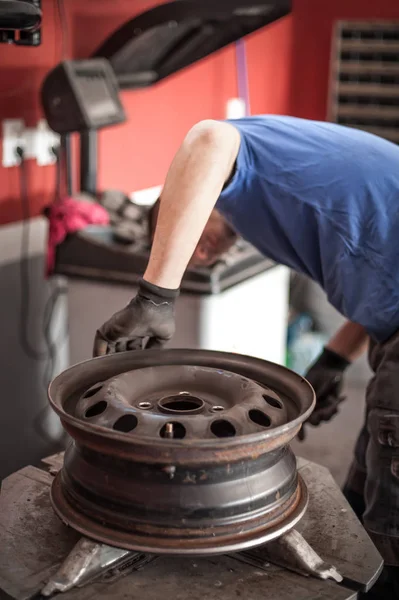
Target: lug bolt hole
{"x":173,"y":430}
{"x":145,"y":405}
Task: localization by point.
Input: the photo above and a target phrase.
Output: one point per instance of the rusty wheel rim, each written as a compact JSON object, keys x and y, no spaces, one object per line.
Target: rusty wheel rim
{"x":180,"y":451}
{"x":223,"y":543}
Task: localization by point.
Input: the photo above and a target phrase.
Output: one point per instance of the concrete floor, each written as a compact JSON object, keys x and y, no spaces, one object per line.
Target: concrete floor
{"x":331,"y":444}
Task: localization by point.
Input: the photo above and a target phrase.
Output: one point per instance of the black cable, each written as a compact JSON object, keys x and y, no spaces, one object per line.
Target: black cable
{"x":56,"y":293}
{"x":49,"y":310}
{"x":25,"y":298}
{"x":25,"y":290}
{"x":49,"y":354}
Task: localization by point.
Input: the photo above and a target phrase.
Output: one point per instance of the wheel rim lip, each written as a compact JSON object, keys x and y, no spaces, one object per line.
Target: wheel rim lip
{"x":87,"y":373}
{"x":71,"y":517}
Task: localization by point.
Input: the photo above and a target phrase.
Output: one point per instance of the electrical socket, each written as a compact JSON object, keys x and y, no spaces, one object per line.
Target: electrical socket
{"x":36,"y":142}
{"x":39,"y":143}
{"x":13,"y":130}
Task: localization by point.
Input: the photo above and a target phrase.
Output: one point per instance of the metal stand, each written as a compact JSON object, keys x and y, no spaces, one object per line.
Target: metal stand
{"x":68,"y":162}
{"x":39,"y":555}
{"x":88,"y":162}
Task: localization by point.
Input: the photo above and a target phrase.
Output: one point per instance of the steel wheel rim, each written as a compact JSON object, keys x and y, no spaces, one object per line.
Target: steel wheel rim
{"x":197,"y":493}
{"x":100,"y":532}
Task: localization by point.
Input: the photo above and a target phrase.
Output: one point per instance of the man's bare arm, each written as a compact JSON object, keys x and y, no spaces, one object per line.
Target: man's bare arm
{"x":350,"y":341}
{"x":194,"y":182}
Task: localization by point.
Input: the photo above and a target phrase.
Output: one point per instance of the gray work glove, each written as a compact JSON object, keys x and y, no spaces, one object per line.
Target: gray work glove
{"x":148,"y":321}
{"x":326,"y":378}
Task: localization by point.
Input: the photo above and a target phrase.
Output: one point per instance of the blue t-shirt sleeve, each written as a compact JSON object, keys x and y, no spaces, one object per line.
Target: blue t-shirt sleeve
{"x":233,"y":191}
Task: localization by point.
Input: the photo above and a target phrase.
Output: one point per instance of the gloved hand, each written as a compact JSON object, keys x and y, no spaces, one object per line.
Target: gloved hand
{"x":326,"y":378}
{"x":148,"y":321}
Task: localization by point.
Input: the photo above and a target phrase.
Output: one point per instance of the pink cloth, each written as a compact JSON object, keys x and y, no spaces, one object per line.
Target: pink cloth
{"x":69,"y":216}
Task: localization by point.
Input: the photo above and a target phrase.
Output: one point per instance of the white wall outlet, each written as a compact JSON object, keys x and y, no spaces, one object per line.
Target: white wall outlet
{"x":44,"y":140}
{"x":12,"y":139}
{"x":36,"y":142}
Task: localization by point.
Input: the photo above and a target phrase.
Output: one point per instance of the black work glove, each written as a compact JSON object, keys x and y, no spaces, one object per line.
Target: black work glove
{"x":326,"y":378}
{"x":148,"y":321}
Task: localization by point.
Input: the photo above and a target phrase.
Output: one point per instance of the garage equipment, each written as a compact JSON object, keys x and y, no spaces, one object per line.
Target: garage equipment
{"x":81,"y":96}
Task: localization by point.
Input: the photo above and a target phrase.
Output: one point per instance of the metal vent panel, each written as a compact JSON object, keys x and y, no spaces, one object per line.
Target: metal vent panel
{"x":365,"y":77}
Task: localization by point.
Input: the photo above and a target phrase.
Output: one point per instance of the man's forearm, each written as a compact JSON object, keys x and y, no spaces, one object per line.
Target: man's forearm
{"x":350,"y":341}
{"x":192,"y":187}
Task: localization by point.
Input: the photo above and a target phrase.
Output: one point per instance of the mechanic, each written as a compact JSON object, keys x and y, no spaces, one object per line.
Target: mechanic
{"x":322,"y":199}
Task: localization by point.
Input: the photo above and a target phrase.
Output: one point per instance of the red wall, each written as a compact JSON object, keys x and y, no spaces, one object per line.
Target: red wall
{"x":137,"y":154}
{"x":312,"y":28}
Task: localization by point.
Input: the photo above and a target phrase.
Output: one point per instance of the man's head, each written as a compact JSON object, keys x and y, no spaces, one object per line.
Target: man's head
{"x":216,"y":239}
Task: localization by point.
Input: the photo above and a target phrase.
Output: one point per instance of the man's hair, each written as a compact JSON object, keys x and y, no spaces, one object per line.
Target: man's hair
{"x":153,"y":218}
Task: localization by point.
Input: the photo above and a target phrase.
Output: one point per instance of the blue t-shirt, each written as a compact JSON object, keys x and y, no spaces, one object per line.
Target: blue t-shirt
{"x":324,"y":200}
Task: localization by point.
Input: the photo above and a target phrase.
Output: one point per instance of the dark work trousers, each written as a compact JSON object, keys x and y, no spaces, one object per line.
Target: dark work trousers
{"x":372,"y":486}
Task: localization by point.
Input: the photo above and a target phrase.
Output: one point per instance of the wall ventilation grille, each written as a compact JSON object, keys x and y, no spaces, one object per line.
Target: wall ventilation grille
{"x":365,"y":77}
